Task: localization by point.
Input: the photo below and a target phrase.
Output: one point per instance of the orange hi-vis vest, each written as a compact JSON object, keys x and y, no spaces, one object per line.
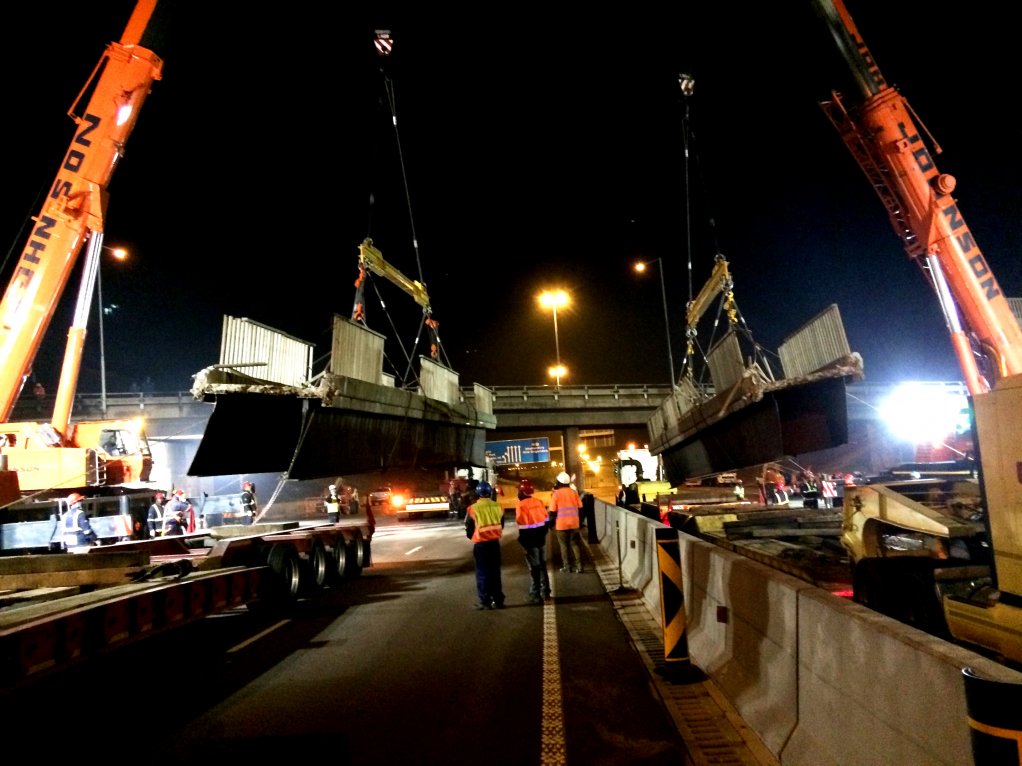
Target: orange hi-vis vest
{"x":565,"y":502}
{"x":487,"y":515}
{"x":531,"y":513}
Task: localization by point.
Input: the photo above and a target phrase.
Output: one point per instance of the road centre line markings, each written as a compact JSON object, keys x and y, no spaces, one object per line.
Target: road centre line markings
{"x":552,"y":746}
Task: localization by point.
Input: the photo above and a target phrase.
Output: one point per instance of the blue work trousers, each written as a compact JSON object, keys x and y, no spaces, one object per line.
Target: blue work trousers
{"x":488,"y":585}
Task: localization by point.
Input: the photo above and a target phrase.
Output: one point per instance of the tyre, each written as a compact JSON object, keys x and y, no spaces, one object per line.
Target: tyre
{"x":282,"y":582}
{"x":316,"y":568}
{"x":338,"y":560}
{"x":356,"y":556}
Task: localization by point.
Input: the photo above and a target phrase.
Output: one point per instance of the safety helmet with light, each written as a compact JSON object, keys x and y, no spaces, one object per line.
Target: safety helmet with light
{"x":483,"y":489}
{"x":525,"y":487}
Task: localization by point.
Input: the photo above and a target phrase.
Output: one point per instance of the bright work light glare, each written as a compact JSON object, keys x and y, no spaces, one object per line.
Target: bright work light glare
{"x":924,"y":414}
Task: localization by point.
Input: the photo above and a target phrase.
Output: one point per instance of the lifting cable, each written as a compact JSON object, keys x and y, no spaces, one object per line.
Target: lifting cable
{"x":384,"y":46}
{"x":727,"y":305}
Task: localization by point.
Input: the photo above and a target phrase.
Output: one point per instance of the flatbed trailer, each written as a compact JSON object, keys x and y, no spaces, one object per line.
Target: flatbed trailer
{"x":59,"y":610}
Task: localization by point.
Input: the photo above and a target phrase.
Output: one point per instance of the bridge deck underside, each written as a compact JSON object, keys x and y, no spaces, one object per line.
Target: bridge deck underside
{"x":799,"y":419}
{"x":302,"y":438}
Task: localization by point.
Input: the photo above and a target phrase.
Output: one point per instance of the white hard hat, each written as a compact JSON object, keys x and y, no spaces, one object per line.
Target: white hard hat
{"x":333,"y":487}
{"x":563,"y":478}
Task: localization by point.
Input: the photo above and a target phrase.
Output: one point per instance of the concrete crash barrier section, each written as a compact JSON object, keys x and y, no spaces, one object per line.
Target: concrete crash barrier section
{"x":821,"y":680}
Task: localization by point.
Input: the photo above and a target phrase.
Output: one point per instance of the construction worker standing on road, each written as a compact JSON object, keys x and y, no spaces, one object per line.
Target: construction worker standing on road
{"x":532,"y":519}
{"x":155,"y":515}
{"x":565,"y":504}
{"x":484,"y":526}
{"x":332,"y":504}
{"x":78,"y":532}
{"x":248,"y":502}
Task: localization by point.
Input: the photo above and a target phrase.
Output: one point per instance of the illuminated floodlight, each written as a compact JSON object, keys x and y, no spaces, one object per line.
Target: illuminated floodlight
{"x":921,"y":413}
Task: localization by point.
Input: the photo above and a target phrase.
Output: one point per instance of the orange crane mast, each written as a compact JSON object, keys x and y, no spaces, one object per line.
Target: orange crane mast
{"x":72,"y":215}
{"x":882,"y":136}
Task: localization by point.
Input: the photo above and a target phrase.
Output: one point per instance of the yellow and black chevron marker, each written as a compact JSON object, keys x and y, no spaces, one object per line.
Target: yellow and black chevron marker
{"x":672,"y":599}
{"x":993,"y":710}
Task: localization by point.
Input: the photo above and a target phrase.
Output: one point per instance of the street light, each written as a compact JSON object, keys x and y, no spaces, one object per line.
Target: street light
{"x":557,"y":372}
{"x":554,"y":299}
{"x":641,"y":267}
{"x":120,"y":254}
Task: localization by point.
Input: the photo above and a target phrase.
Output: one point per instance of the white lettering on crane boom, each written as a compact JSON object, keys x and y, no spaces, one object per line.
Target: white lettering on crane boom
{"x":31,"y":257}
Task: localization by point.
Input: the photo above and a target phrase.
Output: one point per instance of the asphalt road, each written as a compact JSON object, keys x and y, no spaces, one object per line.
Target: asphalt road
{"x":394,"y":667}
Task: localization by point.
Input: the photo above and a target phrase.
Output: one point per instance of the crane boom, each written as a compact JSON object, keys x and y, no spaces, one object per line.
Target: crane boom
{"x":883,"y":137}
{"x":75,"y":204}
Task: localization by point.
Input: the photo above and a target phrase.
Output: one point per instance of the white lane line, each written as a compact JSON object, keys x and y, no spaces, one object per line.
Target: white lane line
{"x":552,"y":750}
{"x":257,"y":636}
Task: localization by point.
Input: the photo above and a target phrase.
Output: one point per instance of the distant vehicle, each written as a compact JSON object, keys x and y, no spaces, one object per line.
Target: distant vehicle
{"x":381,"y":498}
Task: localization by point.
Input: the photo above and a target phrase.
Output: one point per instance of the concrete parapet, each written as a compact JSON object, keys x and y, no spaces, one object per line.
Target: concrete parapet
{"x":743,"y":633}
{"x":821,"y":680}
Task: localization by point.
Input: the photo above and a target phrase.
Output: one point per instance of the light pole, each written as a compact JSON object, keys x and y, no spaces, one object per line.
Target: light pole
{"x":120,"y":254}
{"x":554,"y":299}
{"x":641,"y":267}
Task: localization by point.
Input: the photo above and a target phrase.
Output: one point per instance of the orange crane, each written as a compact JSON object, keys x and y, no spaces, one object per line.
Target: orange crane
{"x":882,"y":136}
{"x":944,"y":554}
{"x":59,"y":455}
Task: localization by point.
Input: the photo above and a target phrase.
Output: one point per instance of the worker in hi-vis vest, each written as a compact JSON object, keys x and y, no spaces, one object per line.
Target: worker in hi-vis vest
{"x":77,"y":531}
{"x":484,"y":526}
{"x":332,"y":504}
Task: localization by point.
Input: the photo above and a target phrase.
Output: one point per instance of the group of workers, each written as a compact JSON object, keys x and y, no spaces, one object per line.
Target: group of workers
{"x":484,"y":526}
{"x":165,"y":518}
{"x":177,"y":517}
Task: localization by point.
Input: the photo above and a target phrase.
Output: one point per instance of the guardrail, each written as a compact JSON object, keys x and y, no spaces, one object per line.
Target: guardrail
{"x":30,"y":408}
{"x":575,"y":393}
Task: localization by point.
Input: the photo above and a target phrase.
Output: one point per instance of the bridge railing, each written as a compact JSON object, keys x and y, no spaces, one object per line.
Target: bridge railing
{"x":90,"y":406}
{"x":520,"y":397}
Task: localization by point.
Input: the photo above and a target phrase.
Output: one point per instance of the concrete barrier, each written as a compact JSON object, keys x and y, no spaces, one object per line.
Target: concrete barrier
{"x":821,"y":680}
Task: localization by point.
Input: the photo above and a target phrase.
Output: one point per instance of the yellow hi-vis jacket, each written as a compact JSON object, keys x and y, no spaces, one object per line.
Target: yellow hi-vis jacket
{"x":333,"y":504}
{"x":487,"y":515}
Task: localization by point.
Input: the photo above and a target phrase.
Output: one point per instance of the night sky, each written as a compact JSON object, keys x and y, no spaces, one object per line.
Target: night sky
{"x":541,"y":149}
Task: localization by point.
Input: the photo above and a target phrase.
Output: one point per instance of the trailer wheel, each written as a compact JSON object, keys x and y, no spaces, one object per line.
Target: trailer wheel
{"x":283,"y":582}
{"x":339,"y":560}
{"x":356,"y":556}
{"x":317,"y":568}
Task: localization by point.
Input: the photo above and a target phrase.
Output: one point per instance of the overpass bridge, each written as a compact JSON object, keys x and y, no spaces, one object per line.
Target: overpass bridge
{"x":175,"y":421}
{"x":179,"y":415}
